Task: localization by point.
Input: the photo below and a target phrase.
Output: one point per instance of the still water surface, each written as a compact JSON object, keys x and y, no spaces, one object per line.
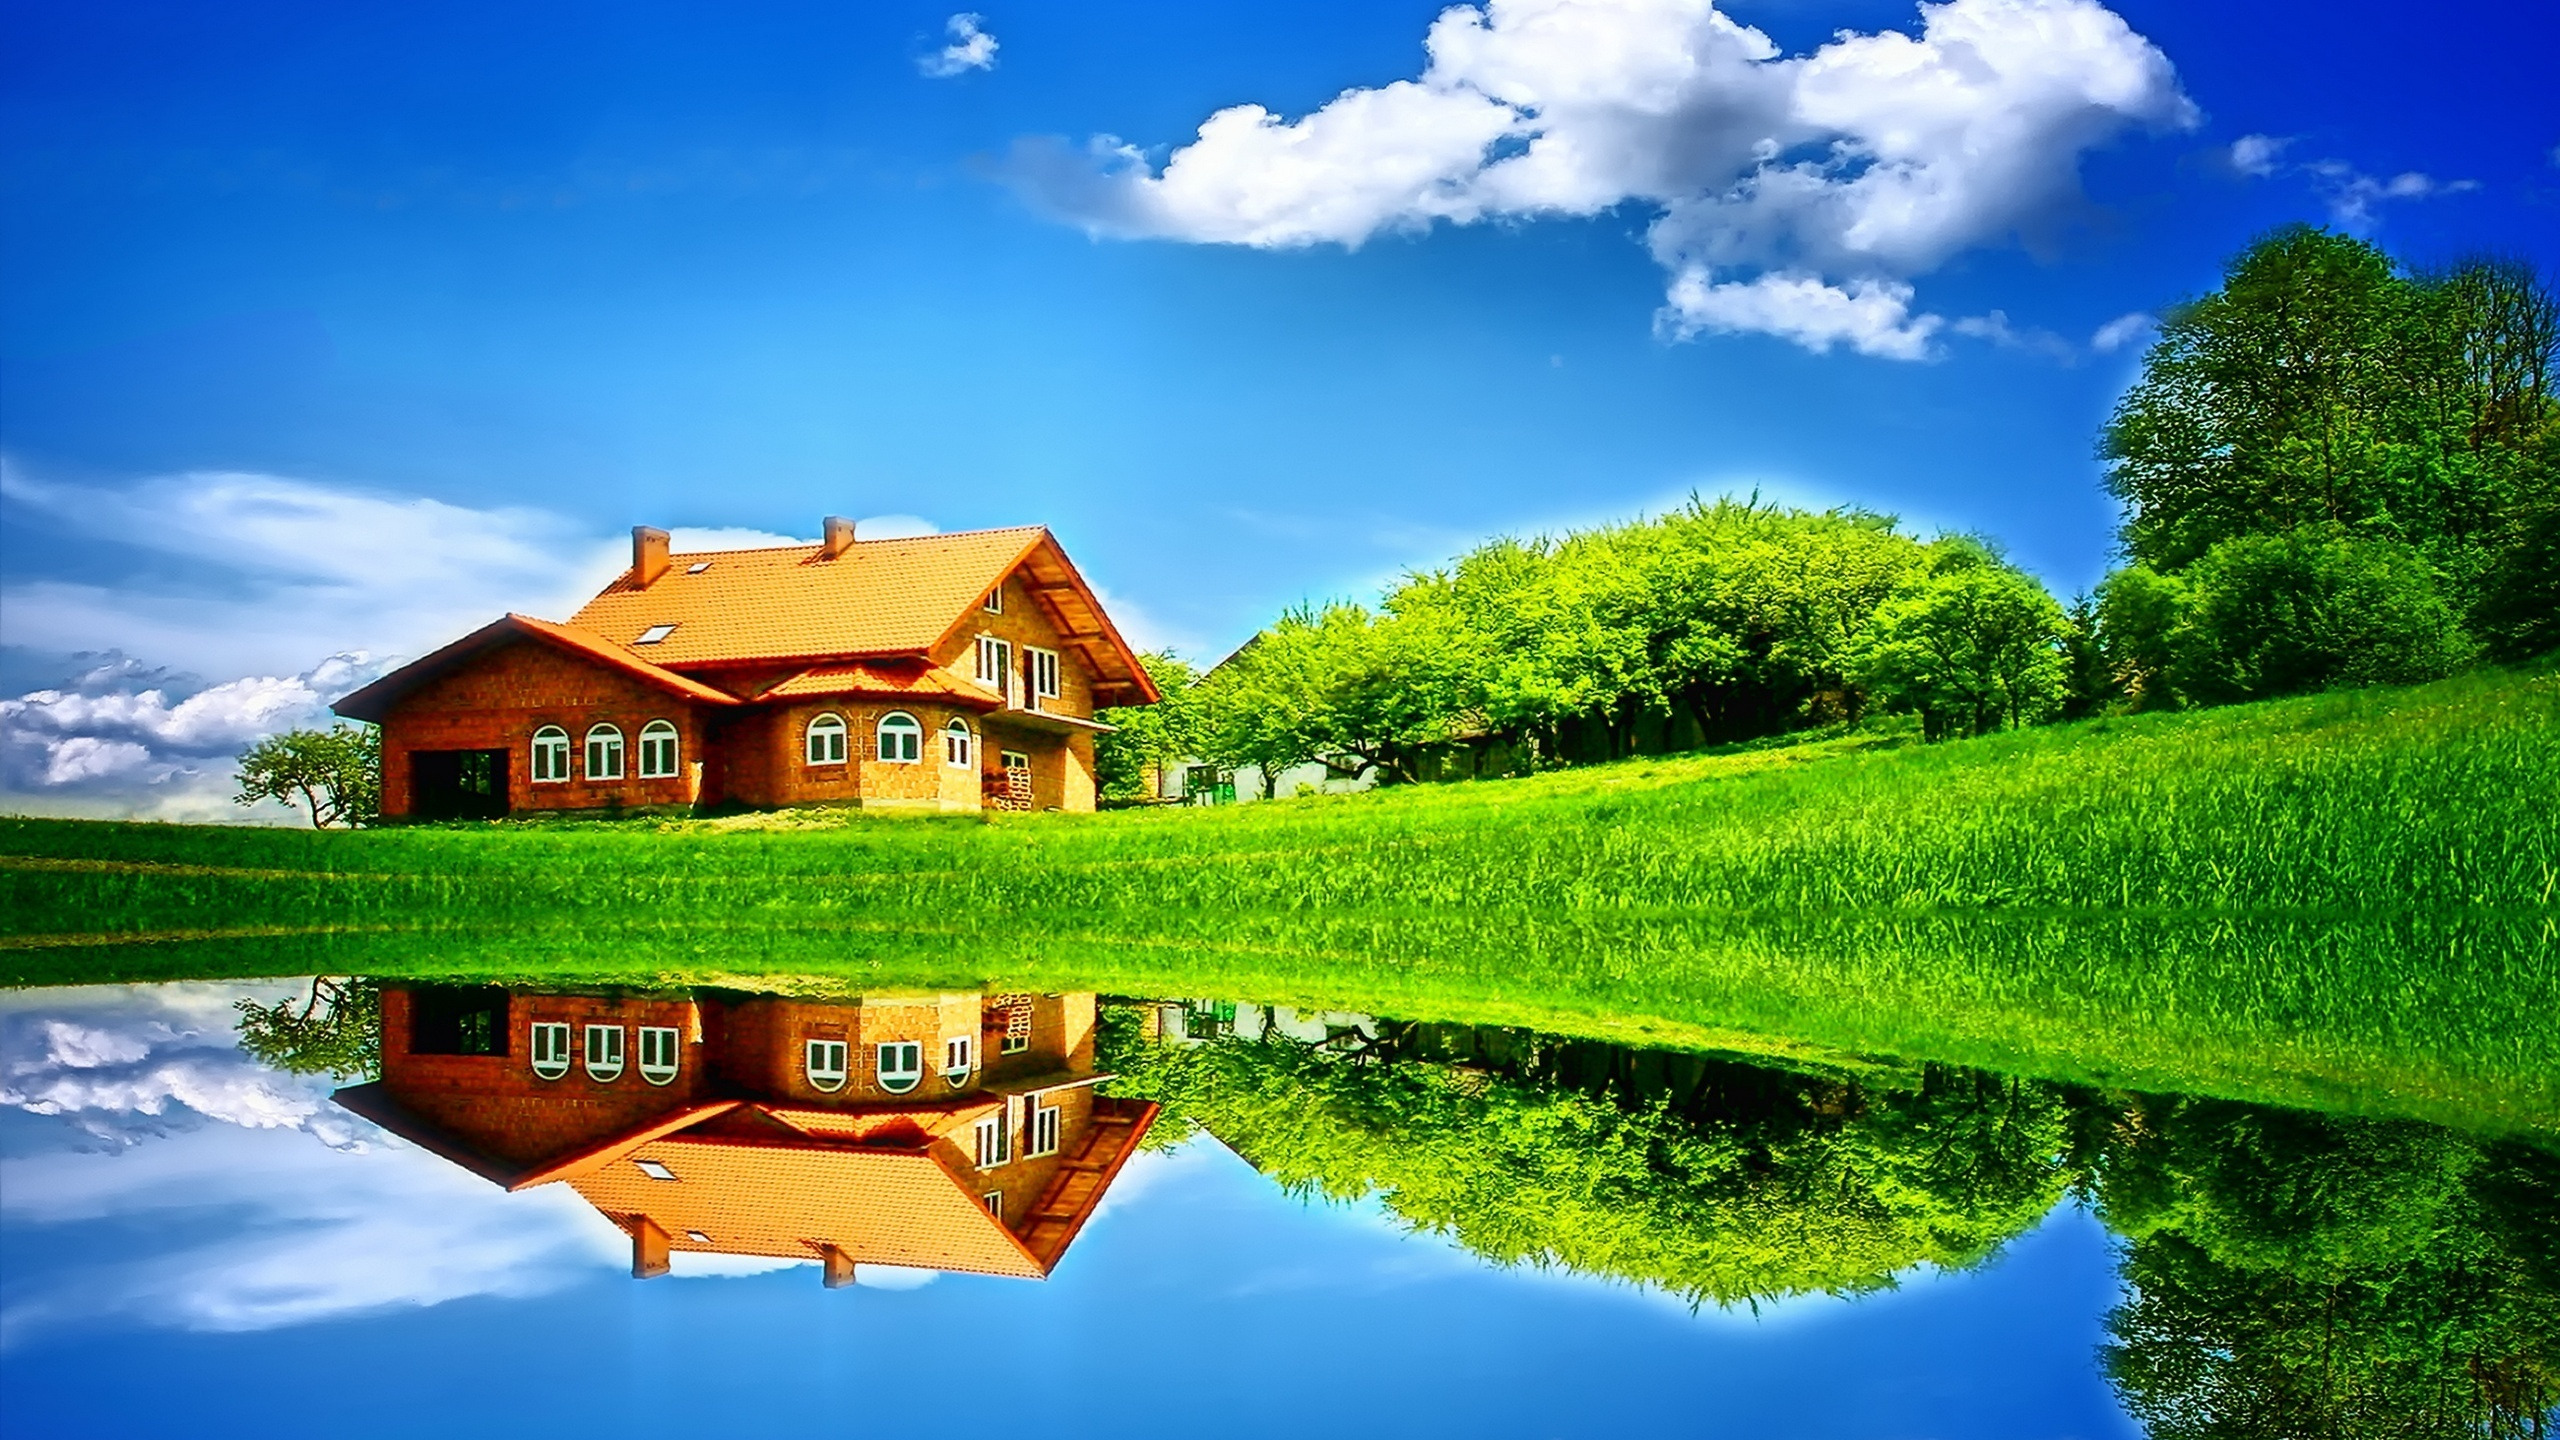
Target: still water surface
{"x":1268,"y":1223}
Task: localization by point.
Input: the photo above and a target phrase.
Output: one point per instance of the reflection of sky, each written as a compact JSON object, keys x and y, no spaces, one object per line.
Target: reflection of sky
{"x":188,"y":1234}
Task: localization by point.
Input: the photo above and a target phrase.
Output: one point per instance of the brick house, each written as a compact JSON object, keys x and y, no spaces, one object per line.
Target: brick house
{"x":941,"y":672}
{"x":934,"y":1131}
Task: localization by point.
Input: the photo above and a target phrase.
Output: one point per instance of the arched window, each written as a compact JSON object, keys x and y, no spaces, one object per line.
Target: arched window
{"x":604,"y":753}
{"x":901,"y":738}
{"x":959,"y":747}
{"x":604,"y":1052}
{"x":826,"y":740}
{"x":550,"y":755}
{"x":659,"y":1056}
{"x":901,"y":1065}
{"x":826,"y":1064}
{"x":657,"y":750}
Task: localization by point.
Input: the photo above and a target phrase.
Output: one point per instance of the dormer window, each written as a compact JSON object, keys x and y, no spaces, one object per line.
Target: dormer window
{"x":654,"y":634}
{"x":901,"y":1066}
{"x":958,"y":1053}
{"x":826,"y":1064}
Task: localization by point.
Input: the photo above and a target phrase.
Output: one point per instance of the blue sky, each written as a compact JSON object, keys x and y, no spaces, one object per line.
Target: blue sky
{"x":330,"y":331}
{"x":275,"y":1266}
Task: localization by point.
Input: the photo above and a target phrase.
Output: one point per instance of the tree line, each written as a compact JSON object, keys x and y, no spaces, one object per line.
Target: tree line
{"x":2333,"y":470}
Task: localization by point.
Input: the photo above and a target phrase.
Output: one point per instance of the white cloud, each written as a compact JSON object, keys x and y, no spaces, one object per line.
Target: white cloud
{"x":1793,"y":195}
{"x":2122,"y":331}
{"x":1996,"y":328}
{"x":2258,"y":155}
{"x":2348,"y":193}
{"x":233,"y":1197}
{"x":971,"y":48}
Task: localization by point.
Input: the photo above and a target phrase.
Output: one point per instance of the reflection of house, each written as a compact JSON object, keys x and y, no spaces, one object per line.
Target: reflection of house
{"x":1196,"y":1020}
{"x":951,"y":672}
{"x":948,"y":1132}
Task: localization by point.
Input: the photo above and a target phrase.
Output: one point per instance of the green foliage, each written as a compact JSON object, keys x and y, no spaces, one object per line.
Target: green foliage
{"x":1972,"y":647}
{"x":2275,"y":615}
{"x":336,"y":774}
{"x":2342,"y":899}
{"x":2296,"y":1274}
{"x":335,"y":1030}
{"x":2140,"y":615}
{"x":1151,"y":737}
{"x":1731,"y":1185}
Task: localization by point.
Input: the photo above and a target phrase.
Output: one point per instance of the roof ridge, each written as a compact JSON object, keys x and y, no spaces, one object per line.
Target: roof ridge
{"x":883,"y":540}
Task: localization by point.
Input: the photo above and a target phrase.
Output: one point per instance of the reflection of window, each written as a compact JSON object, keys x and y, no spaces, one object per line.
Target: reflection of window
{"x":995,"y":1142}
{"x":1043,"y":665}
{"x":654,"y":1170}
{"x":657,"y":750}
{"x":901,"y":1065}
{"x":604,"y":753}
{"x":1044,"y":1129}
{"x":457,"y":1020}
{"x":657,"y":1054}
{"x":826,"y":1064}
{"x":604,"y":1052}
{"x":994,"y":1201}
{"x":826,"y":740}
{"x":958,"y":747}
{"x":550,"y":755}
{"x":550,"y":1050}
{"x":901,"y":738}
{"x":957,"y":1054}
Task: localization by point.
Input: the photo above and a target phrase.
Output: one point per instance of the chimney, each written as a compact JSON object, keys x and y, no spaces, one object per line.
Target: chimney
{"x":648,"y":554}
{"x":839,"y":1267}
{"x":648,"y":1247}
{"x":839,"y":532}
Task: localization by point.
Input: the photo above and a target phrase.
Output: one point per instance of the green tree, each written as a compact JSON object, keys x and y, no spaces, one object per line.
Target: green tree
{"x":1972,"y":647}
{"x":1153,"y":737}
{"x":334,"y":1030}
{"x":2279,"y":614}
{"x":2139,"y":615}
{"x":335,"y":773}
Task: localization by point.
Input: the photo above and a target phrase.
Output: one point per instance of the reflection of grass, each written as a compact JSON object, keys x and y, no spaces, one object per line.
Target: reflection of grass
{"x":2344,"y":900}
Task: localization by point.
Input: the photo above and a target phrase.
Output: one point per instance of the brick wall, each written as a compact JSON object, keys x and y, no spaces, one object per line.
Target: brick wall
{"x":500,"y":698}
{"x":500,"y":1107}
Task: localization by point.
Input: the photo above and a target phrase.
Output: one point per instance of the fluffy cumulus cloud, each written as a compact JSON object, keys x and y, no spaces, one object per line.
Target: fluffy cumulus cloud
{"x":186,"y":1185}
{"x":1792,"y":195}
{"x":2350,"y":195}
{"x":297,"y":591}
{"x":971,"y":48}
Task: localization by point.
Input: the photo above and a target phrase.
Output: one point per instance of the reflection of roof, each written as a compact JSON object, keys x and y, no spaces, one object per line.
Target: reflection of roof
{"x":374,"y":701}
{"x":796,"y":1181}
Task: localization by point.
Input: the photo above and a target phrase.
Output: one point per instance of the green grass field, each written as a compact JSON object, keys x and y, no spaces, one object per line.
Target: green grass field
{"x":2344,"y":901}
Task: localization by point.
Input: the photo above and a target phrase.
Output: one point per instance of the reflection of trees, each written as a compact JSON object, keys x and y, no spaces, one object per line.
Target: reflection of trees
{"x":1717,"y":1180}
{"x":335,"y":1030}
{"x":2299,"y":1275}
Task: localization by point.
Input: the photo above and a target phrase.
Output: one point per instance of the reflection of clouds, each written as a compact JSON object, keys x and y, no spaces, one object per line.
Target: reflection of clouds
{"x":210,"y":1207}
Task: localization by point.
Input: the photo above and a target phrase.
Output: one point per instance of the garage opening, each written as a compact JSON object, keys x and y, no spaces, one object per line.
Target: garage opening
{"x":457,"y":784}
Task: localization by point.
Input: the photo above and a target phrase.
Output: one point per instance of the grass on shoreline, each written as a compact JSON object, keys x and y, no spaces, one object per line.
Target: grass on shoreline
{"x":2343,"y":901}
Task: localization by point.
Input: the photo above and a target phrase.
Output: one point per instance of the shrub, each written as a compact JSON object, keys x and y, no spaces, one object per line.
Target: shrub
{"x":2276,"y":615}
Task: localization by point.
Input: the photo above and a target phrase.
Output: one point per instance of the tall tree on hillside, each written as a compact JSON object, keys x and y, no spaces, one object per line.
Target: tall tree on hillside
{"x":1973,"y":647}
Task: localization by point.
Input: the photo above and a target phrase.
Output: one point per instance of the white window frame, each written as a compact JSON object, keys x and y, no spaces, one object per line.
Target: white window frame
{"x":1048,"y":1123}
{"x":995,"y":665}
{"x":1043,"y":665}
{"x":827,"y":1063}
{"x":993,"y":1200}
{"x":994,"y":1142}
{"x":656,"y":737}
{"x":605,"y":741}
{"x":994,"y":603}
{"x":661,"y":1053}
{"x":959,"y":1057}
{"x":605,"y":1068}
{"x":654,"y":635}
{"x":654,"y":1169}
{"x":908,"y":734}
{"x":904,"y":1077}
{"x":959,"y":746}
{"x":550,"y":756}
{"x":549,"y":1047}
{"x":823,"y":741}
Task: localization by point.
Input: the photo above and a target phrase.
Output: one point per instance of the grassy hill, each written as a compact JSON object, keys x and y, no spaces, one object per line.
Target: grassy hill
{"x":2344,"y":900}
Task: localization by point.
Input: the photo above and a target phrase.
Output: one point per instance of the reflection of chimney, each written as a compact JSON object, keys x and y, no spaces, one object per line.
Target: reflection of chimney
{"x":839,"y":1272}
{"x":648,"y":1247}
{"x":839,"y":532}
{"x":648,"y":554}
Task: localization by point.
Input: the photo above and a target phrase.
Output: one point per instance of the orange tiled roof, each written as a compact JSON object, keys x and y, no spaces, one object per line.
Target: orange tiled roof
{"x":373,"y":702}
{"x":881,"y":597}
{"x":880,"y":1207}
{"x":882,"y":679}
